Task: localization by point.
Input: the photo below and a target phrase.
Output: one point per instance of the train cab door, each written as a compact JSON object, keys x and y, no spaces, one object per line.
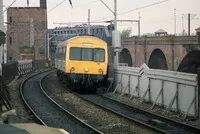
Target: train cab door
{"x":63,"y":61}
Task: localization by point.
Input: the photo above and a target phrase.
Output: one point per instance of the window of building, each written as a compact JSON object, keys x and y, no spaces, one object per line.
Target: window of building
{"x":10,"y":40}
{"x":10,"y":19}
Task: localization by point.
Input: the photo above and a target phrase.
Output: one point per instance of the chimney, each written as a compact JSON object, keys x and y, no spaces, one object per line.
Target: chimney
{"x":43,"y":3}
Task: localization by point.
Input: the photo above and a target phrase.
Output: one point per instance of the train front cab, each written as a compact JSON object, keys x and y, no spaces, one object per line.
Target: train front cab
{"x":87,"y":61}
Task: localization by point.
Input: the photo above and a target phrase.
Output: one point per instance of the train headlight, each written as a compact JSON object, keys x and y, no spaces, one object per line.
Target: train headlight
{"x":101,"y":71}
{"x":86,"y":69}
{"x":72,"y":69}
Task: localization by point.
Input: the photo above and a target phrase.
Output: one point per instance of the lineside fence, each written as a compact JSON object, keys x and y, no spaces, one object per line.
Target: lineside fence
{"x":174,"y":91}
{"x":13,"y":69}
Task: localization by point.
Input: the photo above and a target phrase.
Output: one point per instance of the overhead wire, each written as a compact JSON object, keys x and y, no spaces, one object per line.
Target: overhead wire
{"x":9,"y":6}
{"x":56,"y":6}
{"x":117,"y":14}
{"x":93,"y":1}
{"x":134,"y":9}
{"x":143,"y":7}
{"x":161,"y":21}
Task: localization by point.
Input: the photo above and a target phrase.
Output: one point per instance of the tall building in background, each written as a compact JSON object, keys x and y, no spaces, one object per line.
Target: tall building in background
{"x":3,"y":49}
{"x":2,"y":28}
{"x":26,"y":32}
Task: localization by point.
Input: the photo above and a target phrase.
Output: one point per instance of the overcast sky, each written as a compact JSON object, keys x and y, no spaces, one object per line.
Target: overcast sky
{"x":153,"y":17}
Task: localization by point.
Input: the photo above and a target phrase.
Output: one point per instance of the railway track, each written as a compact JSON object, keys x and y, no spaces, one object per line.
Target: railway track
{"x":100,"y":118}
{"x":47,"y":111}
{"x":153,"y":121}
{"x":146,"y":118}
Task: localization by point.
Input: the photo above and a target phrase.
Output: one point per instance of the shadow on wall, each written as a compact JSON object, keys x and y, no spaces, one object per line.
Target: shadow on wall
{"x":190,"y":63}
{"x":125,"y":57}
{"x":157,"y":60}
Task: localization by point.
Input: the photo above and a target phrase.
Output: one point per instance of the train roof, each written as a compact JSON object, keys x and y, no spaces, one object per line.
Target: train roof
{"x":63,"y":43}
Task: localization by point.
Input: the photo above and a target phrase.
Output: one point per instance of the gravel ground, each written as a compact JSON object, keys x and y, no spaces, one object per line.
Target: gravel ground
{"x":104,"y":121}
{"x":157,"y":110}
{"x":48,"y":112}
{"x":87,"y":115}
{"x":23,"y":115}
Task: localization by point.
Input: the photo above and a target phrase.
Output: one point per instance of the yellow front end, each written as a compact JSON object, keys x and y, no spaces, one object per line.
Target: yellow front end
{"x":87,"y":67}
{"x":80,"y":66}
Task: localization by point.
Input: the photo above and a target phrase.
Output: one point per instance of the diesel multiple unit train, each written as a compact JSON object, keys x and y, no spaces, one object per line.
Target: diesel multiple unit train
{"x":82,"y":62}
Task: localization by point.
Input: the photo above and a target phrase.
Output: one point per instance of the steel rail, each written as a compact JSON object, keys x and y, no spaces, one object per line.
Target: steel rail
{"x":110,"y":110}
{"x":87,"y":125}
{"x":166,"y":125}
{"x":155,"y":120}
{"x":23,"y":98}
{"x":156,"y":116}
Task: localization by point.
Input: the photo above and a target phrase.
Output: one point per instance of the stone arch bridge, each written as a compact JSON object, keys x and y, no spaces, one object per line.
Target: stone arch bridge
{"x":178,"y":53}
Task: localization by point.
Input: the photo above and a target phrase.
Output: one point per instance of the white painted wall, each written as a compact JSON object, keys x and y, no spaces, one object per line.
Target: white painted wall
{"x":152,"y":81}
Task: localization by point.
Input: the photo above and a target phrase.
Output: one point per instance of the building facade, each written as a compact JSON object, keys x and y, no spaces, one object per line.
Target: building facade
{"x":26,"y":32}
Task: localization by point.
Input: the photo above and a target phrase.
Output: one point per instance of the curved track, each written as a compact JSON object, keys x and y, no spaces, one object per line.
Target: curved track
{"x":98,"y":117}
{"x":146,"y":118}
{"x":47,"y":111}
{"x":154,"y":121}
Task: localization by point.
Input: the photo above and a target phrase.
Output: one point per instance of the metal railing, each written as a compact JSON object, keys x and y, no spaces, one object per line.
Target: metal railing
{"x":25,"y":67}
{"x":4,"y":96}
{"x":13,"y":69}
{"x":174,"y":91}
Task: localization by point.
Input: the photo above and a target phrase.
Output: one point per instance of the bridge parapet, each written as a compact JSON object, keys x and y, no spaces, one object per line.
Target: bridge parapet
{"x":175,"y":91}
{"x":161,"y":40}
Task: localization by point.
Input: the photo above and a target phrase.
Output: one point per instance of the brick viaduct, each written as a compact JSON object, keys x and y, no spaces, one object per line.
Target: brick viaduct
{"x":180,"y":53}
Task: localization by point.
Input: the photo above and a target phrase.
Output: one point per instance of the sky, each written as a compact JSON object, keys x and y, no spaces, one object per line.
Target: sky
{"x":152,"y":16}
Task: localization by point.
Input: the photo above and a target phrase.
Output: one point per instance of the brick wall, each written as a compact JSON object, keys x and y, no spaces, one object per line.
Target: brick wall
{"x":26,"y":26}
{"x":173,"y":48}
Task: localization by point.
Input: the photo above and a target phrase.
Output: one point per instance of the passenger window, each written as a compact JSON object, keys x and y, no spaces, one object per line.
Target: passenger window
{"x":87,"y":54}
{"x":99,"y":55}
{"x":75,"y":53}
